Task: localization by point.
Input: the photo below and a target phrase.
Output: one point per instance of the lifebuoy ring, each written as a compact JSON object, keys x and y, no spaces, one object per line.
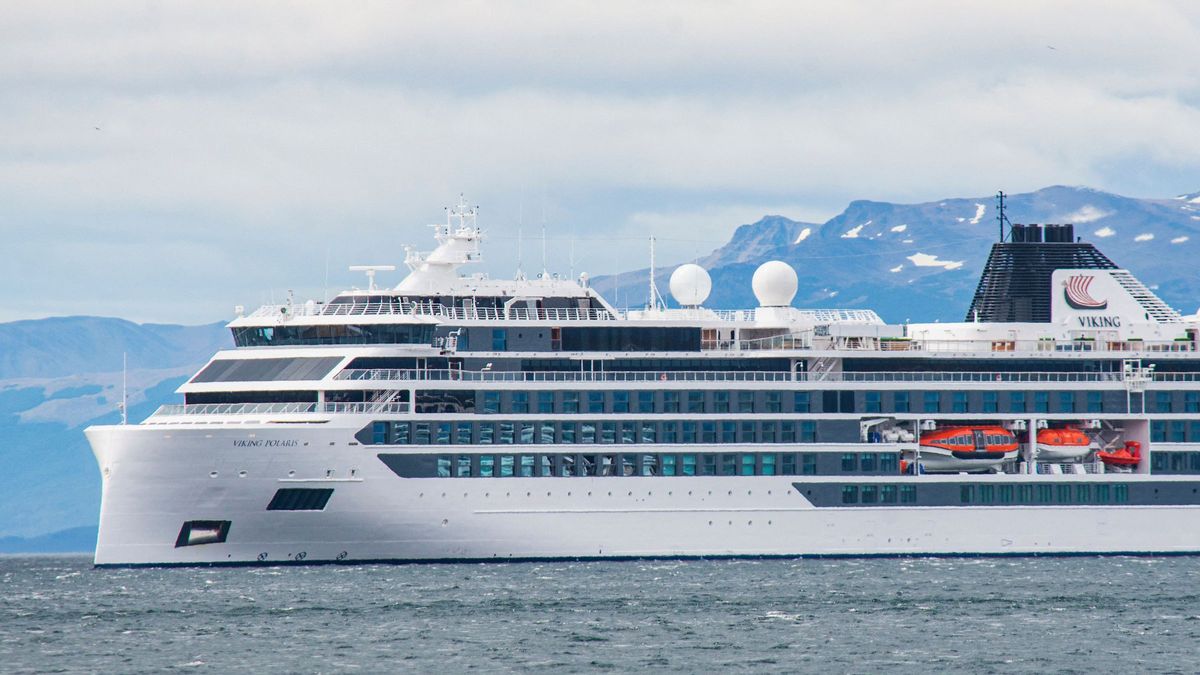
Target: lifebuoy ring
{"x":663,"y":377}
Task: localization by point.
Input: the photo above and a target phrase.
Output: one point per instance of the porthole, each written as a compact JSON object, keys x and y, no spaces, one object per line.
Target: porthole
{"x":212,"y":474}
{"x":242,"y":473}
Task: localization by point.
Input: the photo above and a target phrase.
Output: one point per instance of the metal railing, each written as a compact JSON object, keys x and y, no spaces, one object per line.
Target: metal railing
{"x":392,"y":374}
{"x":277,"y":408}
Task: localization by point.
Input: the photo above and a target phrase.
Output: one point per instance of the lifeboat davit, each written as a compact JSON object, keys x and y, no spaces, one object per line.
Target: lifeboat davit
{"x":1063,"y":445}
{"x":1123,"y":458}
{"x":967,"y":448}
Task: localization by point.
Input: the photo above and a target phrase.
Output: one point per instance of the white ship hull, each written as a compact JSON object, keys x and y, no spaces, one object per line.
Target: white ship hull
{"x":157,"y":478}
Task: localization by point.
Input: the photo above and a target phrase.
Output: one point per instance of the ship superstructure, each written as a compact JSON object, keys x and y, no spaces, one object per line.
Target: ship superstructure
{"x":459,"y":417}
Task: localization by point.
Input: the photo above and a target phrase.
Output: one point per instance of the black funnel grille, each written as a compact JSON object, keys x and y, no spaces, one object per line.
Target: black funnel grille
{"x":1015,"y":286}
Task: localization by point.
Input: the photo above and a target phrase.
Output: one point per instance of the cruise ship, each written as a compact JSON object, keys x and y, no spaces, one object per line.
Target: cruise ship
{"x":456,"y":417}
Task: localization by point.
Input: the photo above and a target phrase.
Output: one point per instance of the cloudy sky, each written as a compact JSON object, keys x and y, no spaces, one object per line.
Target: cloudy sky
{"x":167,"y":161}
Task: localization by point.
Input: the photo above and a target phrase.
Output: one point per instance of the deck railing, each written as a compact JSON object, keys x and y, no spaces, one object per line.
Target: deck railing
{"x":392,"y":374}
{"x":276,"y":408}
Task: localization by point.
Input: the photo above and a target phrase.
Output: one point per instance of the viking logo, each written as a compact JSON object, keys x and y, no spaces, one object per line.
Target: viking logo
{"x":1076,"y":292}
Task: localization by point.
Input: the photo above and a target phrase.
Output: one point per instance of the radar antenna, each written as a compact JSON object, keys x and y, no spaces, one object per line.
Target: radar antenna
{"x":371,"y":270}
{"x":655,"y":300}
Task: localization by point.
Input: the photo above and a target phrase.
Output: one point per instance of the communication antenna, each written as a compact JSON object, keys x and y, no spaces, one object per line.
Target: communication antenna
{"x":1001,"y":218}
{"x":520,"y":272}
{"x":371,"y":270}
{"x":656,"y":301}
{"x":124,"y":391}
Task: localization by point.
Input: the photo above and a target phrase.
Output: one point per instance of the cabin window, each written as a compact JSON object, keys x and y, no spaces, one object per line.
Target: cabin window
{"x":908,"y":494}
{"x":421,"y":433}
{"x":487,"y":433}
{"x":959,"y":403}
{"x":991,"y":402}
{"x":608,"y":432}
{"x":802,"y":402}
{"x":629,"y":432}
{"x":787,"y":431}
{"x":866,"y":462}
{"x":463,"y":466}
{"x":773,"y":401}
{"x":649,"y":465}
{"x":900,"y":401}
{"x":689,"y":431}
{"x":1095,"y":401}
{"x":745,"y":402}
{"x":768,"y":464}
{"x":547,"y":433}
{"x":720,"y":401}
{"x":687,"y":465}
{"x":1158,"y":431}
{"x":729,"y":465}
{"x":443,"y":466}
{"x":668,"y":465}
{"x":379,"y":433}
{"x":570,"y":402}
{"x":545,"y":402}
{"x":708,"y":432}
{"x":729,"y":431}
{"x":506,"y":433}
{"x":648,"y":432}
{"x":1041,"y":401}
{"x":645,"y":402}
{"x":788,"y":465}
{"x":868,"y":494}
{"x":887,"y":494}
{"x":568,"y":432}
{"x":1016,"y":401}
{"x":443,"y":433}
{"x":670,"y":432}
{"x":747,"y":465}
{"x":620,"y":402}
{"x":670,"y":401}
{"x":889,"y":462}
{"x":527,"y":430}
{"x":808,"y":464}
{"x":933,"y":401}
{"x":1162,"y":401}
{"x":462,"y":434}
{"x":808,"y":432}
{"x":849,"y":462}
{"x":1177,"y":431}
{"x":499,"y":339}
{"x":749,"y":432}
{"x":695,"y":402}
{"x":491,"y":402}
{"x":595,"y":401}
{"x":1066,"y":401}
{"x":849,"y":494}
{"x":487,"y":466}
{"x":708,"y":465}
{"x":873,"y":401}
{"x":966,"y":494}
{"x":1191,"y":402}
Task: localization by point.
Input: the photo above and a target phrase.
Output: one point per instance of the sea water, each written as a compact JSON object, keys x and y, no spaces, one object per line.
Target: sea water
{"x":1080,"y":614}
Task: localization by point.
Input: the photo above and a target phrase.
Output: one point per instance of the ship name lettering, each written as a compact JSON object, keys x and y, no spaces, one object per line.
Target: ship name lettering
{"x":265,"y":443}
{"x":1099,"y":321}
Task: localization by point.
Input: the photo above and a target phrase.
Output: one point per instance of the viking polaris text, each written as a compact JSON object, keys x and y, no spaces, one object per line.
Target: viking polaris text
{"x":465,"y":418}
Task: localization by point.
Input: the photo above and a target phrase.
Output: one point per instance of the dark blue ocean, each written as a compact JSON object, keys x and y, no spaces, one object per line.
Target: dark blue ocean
{"x":1081,"y":615}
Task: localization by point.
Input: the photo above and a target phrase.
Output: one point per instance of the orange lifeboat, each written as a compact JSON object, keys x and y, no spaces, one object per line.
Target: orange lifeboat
{"x":1126,"y":457}
{"x":1064,"y":444}
{"x":974,"y":448}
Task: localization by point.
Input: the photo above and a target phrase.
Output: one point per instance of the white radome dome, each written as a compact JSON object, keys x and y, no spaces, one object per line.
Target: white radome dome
{"x":690,"y":285}
{"x":774,"y":284}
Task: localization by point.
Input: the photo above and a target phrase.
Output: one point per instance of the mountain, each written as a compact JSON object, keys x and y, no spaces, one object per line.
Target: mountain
{"x":57,"y":376}
{"x":922,"y":261}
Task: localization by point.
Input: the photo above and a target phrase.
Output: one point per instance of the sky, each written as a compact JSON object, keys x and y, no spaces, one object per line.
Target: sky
{"x":164,"y":162}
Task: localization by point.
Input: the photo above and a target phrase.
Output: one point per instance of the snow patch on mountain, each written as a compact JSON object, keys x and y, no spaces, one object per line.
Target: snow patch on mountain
{"x":1105,"y":232}
{"x":926,"y":260}
{"x":803,"y":235}
{"x":1179,"y":240}
{"x":1144,"y":237}
{"x":897,"y":268}
{"x":900,"y":228}
{"x":852,"y":233}
{"x":979,"y":210}
{"x":1084,"y":214}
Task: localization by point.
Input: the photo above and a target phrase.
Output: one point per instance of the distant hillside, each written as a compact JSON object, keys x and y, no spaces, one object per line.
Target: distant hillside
{"x":87,"y":344}
{"x":57,"y":376}
{"x":922,"y":261}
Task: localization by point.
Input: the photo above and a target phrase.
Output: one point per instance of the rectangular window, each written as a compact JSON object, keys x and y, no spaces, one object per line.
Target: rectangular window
{"x":628,"y":465}
{"x":491,"y":402}
{"x":720,"y":401}
{"x":901,"y":402}
{"x":1158,"y":431}
{"x":1103,"y":494}
{"x":1121,"y":494}
{"x":889,"y":462}
{"x":991,"y":402}
{"x":487,"y":466}
{"x":1095,"y":401}
{"x":668,"y":465}
{"x":520,"y":402}
{"x":745,"y":402}
{"x":443,"y":466}
{"x":1025,"y":494}
{"x":773,"y":401}
{"x":671,"y":401}
{"x":866,"y":462}
{"x":463,"y":466}
{"x":527,"y":465}
{"x":728,"y":431}
{"x":648,"y":432}
{"x":808,"y":432}
{"x":908,"y":494}
{"x":749,"y":432}
{"x":787,"y":431}
{"x":506,"y":436}
{"x":708,"y":465}
{"x":568,"y":432}
{"x":708,"y":432}
{"x":933,"y":401}
{"x":1191,"y":402}
{"x":443,"y":433}
{"x":546,"y":435}
{"x":487,"y":433}
{"x":1066,"y":401}
{"x":620,"y":402}
{"x":379,"y":432}
{"x":687,"y":465}
{"x":587,"y":432}
{"x":849,"y":462}
{"x":987,"y":494}
{"x":728,"y":465}
{"x":1045,"y":494}
{"x":595,"y":401}
{"x":695,"y":402}
{"x":769,"y":432}
{"x":462,"y":434}
{"x":1016,"y":402}
{"x":808,"y":463}
{"x":1041,"y":401}
{"x":670,"y":432}
{"x":629,"y":432}
{"x":649,"y":465}
{"x":499,"y":339}
{"x":400,"y":433}
{"x":788,"y":465}
{"x":645,"y":402}
{"x":608,"y":432}
{"x":868,"y":494}
{"x":421,"y":433}
{"x":1064,"y":494}
{"x":768,"y":464}
{"x":545,"y":402}
{"x":887,"y":494}
{"x":747,"y":465}
{"x":1177,"y":431}
{"x":570,"y":402}
{"x":849,"y":494}
{"x":566,"y":465}
{"x":873,"y":401}
{"x":1083,"y":494}
{"x":802,"y":402}
{"x":528,"y":430}
{"x":689,"y":431}
{"x":1006,"y":494}
{"x":966,"y":494}
{"x":959,"y":402}
{"x":1162,"y":401}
